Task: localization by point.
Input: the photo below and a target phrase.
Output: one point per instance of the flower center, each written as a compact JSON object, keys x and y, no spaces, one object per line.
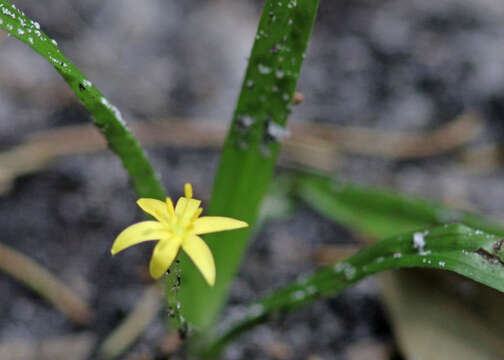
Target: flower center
{"x":179,"y":226}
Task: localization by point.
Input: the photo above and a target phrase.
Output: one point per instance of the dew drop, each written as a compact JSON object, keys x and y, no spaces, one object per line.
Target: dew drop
{"x":114,"y":110}
{"x":255,"y":310}
{"x":350,"y":272}
{"x":298,"y":295}
{"x":264,"y":70}
{"x":277,"y":132}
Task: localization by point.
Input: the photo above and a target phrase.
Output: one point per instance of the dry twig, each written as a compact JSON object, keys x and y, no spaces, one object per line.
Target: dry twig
{"x":135,"y":324}
{"x":317,"y":146}
{"x":40,"y":280}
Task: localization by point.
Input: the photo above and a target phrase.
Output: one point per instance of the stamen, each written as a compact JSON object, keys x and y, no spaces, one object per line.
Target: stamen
{"x":197,"y":214}
{"x":188,"y":191}
{"x":169,"y":204}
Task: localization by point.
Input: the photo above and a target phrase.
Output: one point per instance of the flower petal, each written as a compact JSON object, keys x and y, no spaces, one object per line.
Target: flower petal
{"x":210,"y":224}
{"x":137,"y":233}
{"x":164,"y":253}
{"x":186,"y":208}
{"x":156,"y":208}
{"x":201,"y":256}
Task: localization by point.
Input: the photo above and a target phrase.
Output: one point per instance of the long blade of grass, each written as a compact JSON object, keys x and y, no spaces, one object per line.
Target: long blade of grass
{"x":249,"y":153}
{"x":105,"y":115}
{"x":471,"y":253}
{"x":377,"y":212}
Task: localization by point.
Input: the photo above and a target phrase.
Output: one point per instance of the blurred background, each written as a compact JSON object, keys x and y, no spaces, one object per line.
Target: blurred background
{"x":404,"y":94}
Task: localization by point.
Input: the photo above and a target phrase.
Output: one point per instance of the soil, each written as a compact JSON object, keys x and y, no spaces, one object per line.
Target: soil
{"x":408,"y":65}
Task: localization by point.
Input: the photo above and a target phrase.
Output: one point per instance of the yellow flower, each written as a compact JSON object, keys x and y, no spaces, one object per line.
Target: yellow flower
{"x":176,"y":227}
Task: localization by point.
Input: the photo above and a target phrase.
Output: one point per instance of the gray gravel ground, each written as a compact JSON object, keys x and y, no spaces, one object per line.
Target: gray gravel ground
{"x":409,"y":65}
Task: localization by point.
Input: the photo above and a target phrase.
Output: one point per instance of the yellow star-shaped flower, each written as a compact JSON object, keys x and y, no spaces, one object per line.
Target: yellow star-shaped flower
{"x":176,"y":227}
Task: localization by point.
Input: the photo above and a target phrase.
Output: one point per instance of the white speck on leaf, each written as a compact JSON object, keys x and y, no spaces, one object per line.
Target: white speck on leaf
{"x":255,"y":310}
{"x":263,"y":69}
{"x":338,"y":267}
{"x":115,"y":110}
{"x":349,"y":272}
{"x":298,"y":295}
{"x":277,"y":132}
{"x":420,"y":243}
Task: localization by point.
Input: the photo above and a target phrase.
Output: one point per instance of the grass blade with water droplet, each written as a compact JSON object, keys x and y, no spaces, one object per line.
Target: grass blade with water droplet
{"x":379,"y":213}
{"x":105,"y":115}
{"x":249,"y":153}
{"x":471,"y":253}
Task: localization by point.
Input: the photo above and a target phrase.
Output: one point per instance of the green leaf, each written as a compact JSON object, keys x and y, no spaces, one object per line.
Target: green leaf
{"x":378,"y":212}
{"x":105,"y":115}
{"x":249,"y":153}
{"x":471,"y":253}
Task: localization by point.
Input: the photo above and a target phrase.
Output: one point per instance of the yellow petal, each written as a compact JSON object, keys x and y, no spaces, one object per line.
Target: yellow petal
{"x":137,"y":233}
{"x":156,"y":208}
{"x":210,"y":224}
{"x":201,"y":256}
{"x":187,"y":207}
{"x":164,"y":253}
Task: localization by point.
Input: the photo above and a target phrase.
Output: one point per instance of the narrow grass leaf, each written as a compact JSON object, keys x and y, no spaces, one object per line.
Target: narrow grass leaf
{"x":106,"y":118}
{"x":105,"y":115}
{"x":377,"y":212}
{"x":249,"y":153}
{"x":468,"y":252}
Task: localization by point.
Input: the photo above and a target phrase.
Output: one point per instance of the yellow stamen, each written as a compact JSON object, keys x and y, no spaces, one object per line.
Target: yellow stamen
{"x":188,"y":191}
{"x":197,"y":214}
{"x":171,"y":209}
